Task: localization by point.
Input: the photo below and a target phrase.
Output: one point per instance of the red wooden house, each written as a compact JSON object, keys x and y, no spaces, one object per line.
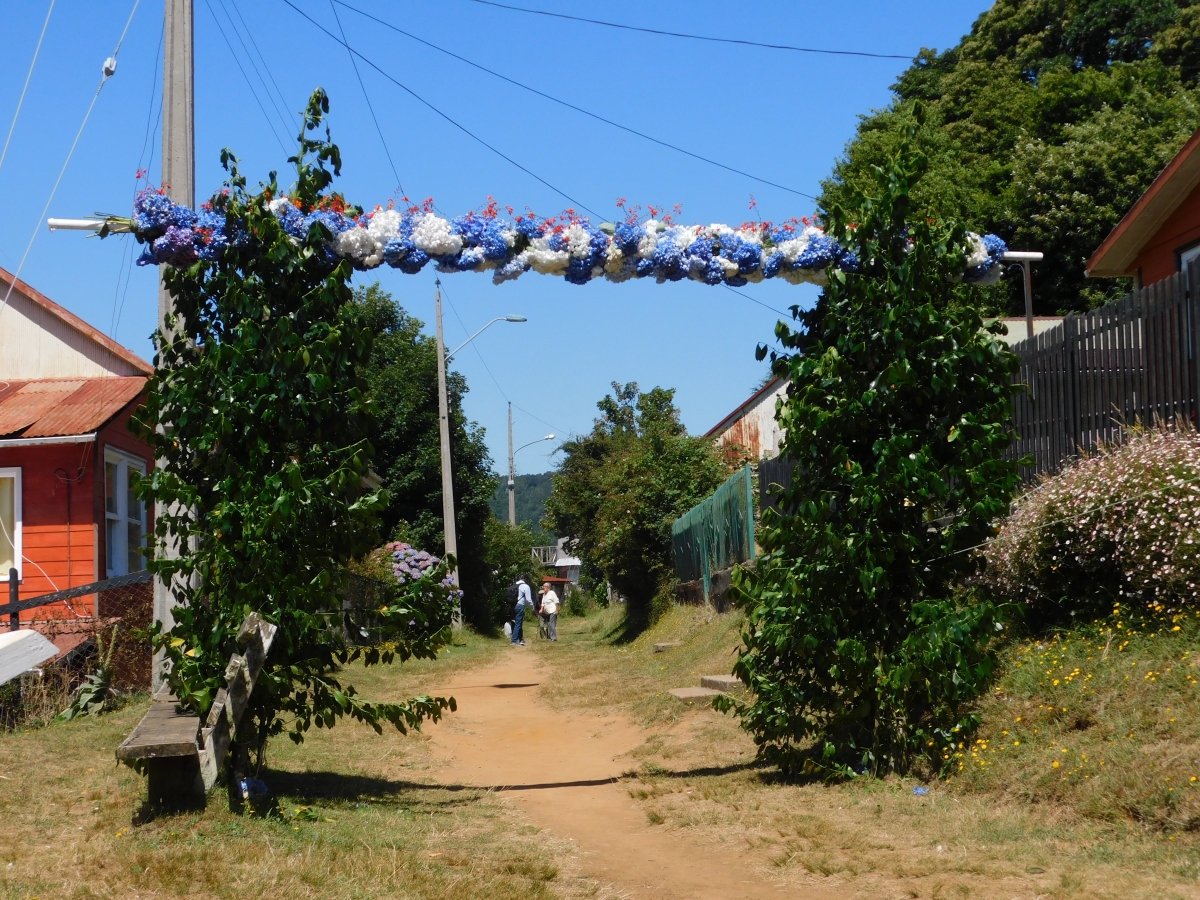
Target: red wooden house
{"x":1160,"y":234}
{"x":67,"y":392}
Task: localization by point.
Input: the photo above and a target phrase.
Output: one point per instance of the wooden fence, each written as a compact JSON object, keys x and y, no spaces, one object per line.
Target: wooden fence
{"x":1131,"y":361}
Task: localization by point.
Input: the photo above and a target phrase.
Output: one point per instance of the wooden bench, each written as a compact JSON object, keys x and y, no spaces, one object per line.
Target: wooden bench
{"x":182,"y":756}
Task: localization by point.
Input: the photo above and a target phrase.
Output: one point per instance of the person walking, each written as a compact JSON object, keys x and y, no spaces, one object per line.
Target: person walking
{"x":549,"y":610}
{"x":524,"y":599}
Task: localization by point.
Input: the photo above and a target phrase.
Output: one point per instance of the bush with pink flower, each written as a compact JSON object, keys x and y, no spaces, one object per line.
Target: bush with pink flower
{"x":1118,"y":526}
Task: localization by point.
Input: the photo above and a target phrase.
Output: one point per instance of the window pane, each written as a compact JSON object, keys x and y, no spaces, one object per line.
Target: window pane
{"x":8,"y":525}
{"x":110,"y":546}
{"x":133,"y":537}
{"x":110,"y":487}
{"x":133,"y":506}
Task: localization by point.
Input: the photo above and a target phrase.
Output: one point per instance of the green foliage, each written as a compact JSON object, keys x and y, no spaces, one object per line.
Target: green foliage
{"x":401,"y":376}
{"x":507,"y":554}
{"x":532,"y":493}
{"x":1044,"y":125}
{"x":897,"y":418}
{"x":264,"y":441}
{"x":93,"y":694}
{"x":619,"y":489}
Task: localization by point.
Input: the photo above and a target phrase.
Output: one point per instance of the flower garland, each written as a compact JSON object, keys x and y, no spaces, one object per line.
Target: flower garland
{"x":569,"y":245}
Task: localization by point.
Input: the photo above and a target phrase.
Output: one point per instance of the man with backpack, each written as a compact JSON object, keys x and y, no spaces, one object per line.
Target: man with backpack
{"x":524,"y":598}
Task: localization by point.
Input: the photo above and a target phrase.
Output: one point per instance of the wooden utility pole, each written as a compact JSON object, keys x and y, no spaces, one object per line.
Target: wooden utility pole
{"x":451,"y":538}
{"x":179,"y":179}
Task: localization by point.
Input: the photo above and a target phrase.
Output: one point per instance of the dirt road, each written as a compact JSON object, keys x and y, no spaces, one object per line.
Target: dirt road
{"x":561,"y":770}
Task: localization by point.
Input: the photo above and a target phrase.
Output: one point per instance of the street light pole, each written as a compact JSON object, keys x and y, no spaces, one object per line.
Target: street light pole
{"x":1025,"y":257}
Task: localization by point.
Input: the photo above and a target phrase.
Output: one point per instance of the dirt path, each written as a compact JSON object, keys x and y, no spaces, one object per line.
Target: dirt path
{"x":560,"y":770}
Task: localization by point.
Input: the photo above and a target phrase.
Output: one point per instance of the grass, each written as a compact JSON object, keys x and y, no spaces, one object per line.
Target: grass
{"x":1005,"y":824}
{"x":359,"y":818}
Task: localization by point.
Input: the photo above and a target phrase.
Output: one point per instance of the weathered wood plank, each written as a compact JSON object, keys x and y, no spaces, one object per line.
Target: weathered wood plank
{"x":163,"y":732}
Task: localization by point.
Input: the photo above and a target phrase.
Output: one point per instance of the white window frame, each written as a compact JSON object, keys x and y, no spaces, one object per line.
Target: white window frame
{"x":1186,"y":255}
{"x":136,"y":463}
{"x":15,"y":474}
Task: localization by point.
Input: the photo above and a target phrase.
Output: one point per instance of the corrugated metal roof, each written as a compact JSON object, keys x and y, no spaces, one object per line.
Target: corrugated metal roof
{"x":61,"y":406}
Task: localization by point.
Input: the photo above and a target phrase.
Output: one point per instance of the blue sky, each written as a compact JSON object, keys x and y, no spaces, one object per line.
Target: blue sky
{"x":783,"y":116}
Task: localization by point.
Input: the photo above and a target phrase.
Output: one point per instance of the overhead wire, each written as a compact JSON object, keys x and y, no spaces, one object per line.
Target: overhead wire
{"x":366,"y":96}
{"x":250,"y":57}
{"x":443,"y":115}
{"x":28,"y":76}
{"x":693,"y":37}
{"x":249,"y":83}
{"x":70,"y":153}
{"x":755,"y":300}
{"x":266,"y":68}
{"x":151,"y":127}
{"x":579,"y":109}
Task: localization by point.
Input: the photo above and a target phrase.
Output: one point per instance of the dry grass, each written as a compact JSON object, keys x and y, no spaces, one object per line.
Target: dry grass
{"x":359,"y":819}
{"x":1004,"y":829}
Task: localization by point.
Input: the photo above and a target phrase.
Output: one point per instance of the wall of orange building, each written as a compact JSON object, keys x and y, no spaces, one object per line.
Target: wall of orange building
{"x":1158,"y":259}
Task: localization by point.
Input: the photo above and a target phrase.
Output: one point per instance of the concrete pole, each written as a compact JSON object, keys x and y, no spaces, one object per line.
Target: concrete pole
{"x":512,"y":475}
{"x":179,"y":177}
{"x":1028,"y":298}
{"x":448,"y":522}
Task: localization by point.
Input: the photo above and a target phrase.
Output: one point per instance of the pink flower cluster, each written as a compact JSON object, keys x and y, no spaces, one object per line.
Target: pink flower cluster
{"x":1129,"y":515}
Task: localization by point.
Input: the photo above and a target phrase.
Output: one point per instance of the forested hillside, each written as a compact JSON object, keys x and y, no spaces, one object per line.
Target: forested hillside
{"x":532,"y":491}
{"x":1044,"y":125}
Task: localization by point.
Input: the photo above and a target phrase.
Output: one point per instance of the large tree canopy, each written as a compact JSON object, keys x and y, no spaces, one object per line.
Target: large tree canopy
{"x":1044,"y":125}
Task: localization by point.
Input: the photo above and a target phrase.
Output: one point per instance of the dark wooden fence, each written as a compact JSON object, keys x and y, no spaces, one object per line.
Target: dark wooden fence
{"x":1132,"y":361}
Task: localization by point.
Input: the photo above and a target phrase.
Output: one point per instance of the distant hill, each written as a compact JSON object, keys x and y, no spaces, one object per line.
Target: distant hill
{"x":532,"y":491}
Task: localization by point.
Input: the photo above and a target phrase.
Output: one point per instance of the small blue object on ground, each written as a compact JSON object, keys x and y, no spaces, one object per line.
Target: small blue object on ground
{"x":920,"y":790}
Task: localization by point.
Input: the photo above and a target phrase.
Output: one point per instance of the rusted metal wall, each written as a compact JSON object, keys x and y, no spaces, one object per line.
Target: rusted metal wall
{"x":752,"y":428}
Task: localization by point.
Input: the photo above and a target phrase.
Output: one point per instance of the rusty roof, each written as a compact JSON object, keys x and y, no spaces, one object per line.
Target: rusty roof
{"x":51,"y":407}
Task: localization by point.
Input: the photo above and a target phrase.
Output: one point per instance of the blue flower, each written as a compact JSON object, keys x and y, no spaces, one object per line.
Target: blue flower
{"x":514,"y":268}
{"x":773,"y":264}
{"x":483,"y":233}
{"x":668,"y":261}
{"x":995,"y":246}
{"x":414,"y":261}
{"x":530,"y":227}
{"x":557,"y":241}
{"x":627,"y":237}
{"x":579,"y":271}
{"x":746,"y":254}
{"x":644,"y":268}
{"x":848,"y":262}
{"x":153,"y":211}
{"x":714,"y":272}
{"x":822,"y":251}
{"x":175,"y":247}
{"x":292,"y":220}
{"x":736,"y":281}
{"x":335,"y":222}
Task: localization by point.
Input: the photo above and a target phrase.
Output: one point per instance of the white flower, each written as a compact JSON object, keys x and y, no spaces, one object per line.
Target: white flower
{"x":614,"y":258}
{"x":730,"y":267}
{"x":358,"y":246}
{"x":385,"y":225}
{"x":649,"y":241}
{"x":792,"y":249}
{"x":432,"y":235}
{"x":752,"y":235}
{"x":278,"y":204}
{"x":544,"y":260}
{"x":579,"y":242}
{"x":510,"y":236}
{"x":979,"y":254}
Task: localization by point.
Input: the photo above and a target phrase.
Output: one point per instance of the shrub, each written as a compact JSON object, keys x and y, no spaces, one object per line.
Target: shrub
{"x":1121,"y":525}
{"x":897,"y":417}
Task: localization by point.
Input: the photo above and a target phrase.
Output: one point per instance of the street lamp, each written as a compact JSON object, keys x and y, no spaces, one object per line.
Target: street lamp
{"x":1024,"y":258}
{"x":512,"y":470}
{"x":448,"y":524}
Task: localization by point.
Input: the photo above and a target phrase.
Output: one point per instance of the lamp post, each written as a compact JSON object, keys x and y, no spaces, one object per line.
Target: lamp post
{"x":448,"y":522}
{"x":512,"y":469}
{"x":1024,"y":258}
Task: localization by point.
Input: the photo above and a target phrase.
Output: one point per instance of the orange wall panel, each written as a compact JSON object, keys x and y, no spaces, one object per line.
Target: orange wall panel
{"x":1158,"y":258}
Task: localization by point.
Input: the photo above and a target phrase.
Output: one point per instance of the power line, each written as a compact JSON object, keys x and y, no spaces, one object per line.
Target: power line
{"x":249,"y":83}
{"x":429,"y":105}
{"x":579,"y":109}
{"x":250,"y":56}
{"x":28,"y":76}
{"x":127,"y":256}
{"x":694,"y":37}
{"x":754,"y":300}
{"x":266,"y":68}
{"x":474,"y":347}
{"x":54,"y":190}
{"x":562,"y":431}
{"x":367,"y":97}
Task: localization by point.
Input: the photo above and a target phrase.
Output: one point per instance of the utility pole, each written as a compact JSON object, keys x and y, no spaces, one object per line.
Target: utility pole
{"x":512,"y":475}
{"x":179,"y":178}
{"x":444,"y":432}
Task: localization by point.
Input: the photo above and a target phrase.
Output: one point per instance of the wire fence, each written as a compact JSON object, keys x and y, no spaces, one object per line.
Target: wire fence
{"x":716,"y":533}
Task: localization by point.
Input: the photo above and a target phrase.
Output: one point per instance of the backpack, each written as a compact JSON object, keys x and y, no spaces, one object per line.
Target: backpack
{"x":512,"y":595}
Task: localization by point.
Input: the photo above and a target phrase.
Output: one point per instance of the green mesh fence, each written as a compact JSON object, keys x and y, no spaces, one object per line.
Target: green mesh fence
{"x":716,"y":533}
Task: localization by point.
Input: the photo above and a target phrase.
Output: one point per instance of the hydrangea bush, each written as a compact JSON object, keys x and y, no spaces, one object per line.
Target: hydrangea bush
{"x":1121,"y":525}
{"x":409,"y":565}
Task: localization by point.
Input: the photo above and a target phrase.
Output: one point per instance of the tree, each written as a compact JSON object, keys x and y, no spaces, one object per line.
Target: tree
{"x":401,"y":376}
{"x":897,"y":417}
{"x":508,"y":555}
{"x":264,"y":441}
{"x":1044,"y":125}
{"x":619,"y":488}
